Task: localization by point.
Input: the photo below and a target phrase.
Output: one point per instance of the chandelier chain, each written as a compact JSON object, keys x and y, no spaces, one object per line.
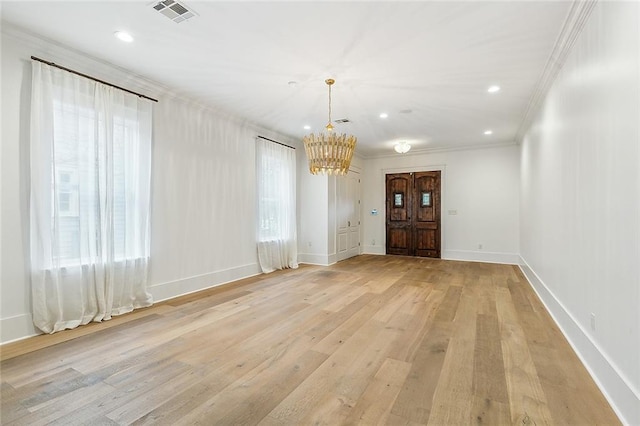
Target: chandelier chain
{"x":329,"y":104}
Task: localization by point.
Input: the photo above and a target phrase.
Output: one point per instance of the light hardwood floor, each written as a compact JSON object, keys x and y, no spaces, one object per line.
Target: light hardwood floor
{"x":371,"y":340}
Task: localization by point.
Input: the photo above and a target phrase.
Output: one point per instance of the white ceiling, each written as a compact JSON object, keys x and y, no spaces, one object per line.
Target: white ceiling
{"x":434,"y":59}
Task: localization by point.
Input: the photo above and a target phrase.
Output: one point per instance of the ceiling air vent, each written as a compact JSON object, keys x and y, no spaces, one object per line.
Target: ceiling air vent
{"x":342,"y":121}
{"x":174,"y":10}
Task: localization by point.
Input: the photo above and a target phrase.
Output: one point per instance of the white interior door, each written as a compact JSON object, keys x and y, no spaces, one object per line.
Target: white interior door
{"x":348,"y":215}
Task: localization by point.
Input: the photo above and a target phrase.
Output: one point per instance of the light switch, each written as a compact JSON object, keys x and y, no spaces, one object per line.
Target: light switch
{"x":453,"y":212}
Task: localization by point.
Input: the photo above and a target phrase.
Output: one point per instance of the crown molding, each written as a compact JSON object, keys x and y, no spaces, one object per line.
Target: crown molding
{"x":571,"y":29}
{"x":63,"y":54}
{"x":425,"y":151}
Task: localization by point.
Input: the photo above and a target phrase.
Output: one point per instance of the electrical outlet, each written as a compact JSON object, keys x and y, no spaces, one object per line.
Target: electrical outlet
{"x":373,"y":242}
{"x":593,"y":321}
{"x":310,"y":244}
{"x":479,"y":246}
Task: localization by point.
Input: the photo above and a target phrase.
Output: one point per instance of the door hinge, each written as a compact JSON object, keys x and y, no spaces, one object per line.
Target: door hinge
{"x":358,"y":243}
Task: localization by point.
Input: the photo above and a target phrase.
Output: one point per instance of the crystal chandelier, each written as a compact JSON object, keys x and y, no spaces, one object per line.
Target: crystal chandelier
{"x":329,"y":153}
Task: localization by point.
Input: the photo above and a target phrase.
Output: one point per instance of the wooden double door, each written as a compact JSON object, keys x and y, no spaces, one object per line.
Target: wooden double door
{"x":413,"y":214}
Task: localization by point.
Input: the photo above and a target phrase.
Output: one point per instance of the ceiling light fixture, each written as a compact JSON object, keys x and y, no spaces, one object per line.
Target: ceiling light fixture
{"x":488,"y":132}
{"x":329,"y":153}
{"x":402,"y":147}
{"x":493,"y":89}
{"x":124,"y":36}
{"x":384,"y":115}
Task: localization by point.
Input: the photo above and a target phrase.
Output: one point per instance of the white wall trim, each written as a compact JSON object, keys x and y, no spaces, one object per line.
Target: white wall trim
{"x":571,"y":29}
{"x":316,"y":259}
{"x":374,"y":250}
{"x":617,"y":389}
{"x":481,"y":256}
{"x":435,"y":150}
{"x":16,"y":328}
{"x":21,"y":327}
{"x":55,"y":51}
{"x":183,"y":286}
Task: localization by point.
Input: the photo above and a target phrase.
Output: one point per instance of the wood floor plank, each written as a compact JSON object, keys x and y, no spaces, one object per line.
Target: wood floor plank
{"x":374,"y":406}
{"x":414,"y":402}
{"x":453,"y":396}
{"x":257,"y":404}
{"x":337,"y":404}
{"x":413,"y":328}
{"x":308,"y":398}
{"x":371,"y":340}
{"x":49,"y":411}
{"x":449,"y":306}
{"x":526,"y":397}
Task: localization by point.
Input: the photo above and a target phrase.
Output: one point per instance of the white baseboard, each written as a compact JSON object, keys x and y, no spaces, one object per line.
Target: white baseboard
{"x":374,"y":250}
{"x":617,"y":389}
{"x":317,"y":259}
{"x":171,"y":289}
{"x":481,"y":256}
{"x":466,"y":255}
{"x":17,"y":328}
{"x":21,"y":326}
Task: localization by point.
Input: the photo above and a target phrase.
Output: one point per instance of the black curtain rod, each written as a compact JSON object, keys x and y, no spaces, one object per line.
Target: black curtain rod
{"x":92,"y":78}
{"x":279,"y":143}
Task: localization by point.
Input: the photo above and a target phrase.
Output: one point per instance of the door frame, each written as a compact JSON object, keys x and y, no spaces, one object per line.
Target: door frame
{"x":431,"y":168}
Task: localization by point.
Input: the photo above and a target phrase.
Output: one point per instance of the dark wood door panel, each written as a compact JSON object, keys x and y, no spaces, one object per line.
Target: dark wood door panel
{"x":413,"y":213}
{"x":426,"y":195}
{"x":398,"y":198}
{"x":398,"y":240}
{"x":426,"y":239}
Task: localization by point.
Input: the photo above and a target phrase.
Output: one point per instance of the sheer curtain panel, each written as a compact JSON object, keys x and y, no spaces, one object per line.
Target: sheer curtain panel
{"x":90,"y":189}
{"x":276,"y":173}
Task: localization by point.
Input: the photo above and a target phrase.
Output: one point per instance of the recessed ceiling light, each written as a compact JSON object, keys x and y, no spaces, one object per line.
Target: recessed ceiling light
{"x":493,"y":89}
{"x":384,"y":115}
{"x":488,"y":132}
{"x":307,"y":127}
{"x":124,"y":36}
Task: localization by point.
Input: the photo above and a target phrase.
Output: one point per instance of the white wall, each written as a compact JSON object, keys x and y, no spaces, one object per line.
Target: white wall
{"x":482,"y":185}
{"x":313,"y":226}
{"x":580,"y":209}
{"x":15,"y":294}
{"x":203,"y":185}
{"x":317,"y":213}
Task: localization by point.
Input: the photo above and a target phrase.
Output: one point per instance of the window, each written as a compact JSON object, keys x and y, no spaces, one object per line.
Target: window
{"x":76,"y":140}
{"x":276,"y":233}
{"x":90,"y":190}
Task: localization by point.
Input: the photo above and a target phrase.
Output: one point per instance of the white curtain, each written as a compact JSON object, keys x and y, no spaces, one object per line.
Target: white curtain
{"x":90,"y":193}
{"x":276,"y":173}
